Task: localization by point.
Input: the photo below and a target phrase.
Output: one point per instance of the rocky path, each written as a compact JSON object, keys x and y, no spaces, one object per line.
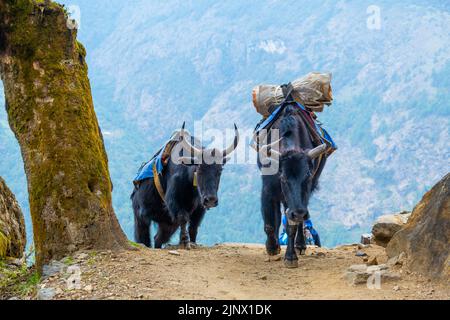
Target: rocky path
{"x":231,"y":271}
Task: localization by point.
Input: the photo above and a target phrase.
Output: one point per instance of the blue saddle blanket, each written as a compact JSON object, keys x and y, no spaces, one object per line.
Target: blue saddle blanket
{"x":324,"y":135}
{"x":159,"y":159}
{"x":146,"y":170}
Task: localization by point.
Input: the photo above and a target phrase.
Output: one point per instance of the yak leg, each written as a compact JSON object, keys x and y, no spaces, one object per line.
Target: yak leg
{"x":196,"y":219}
{"x":317,"y":239}
{"x":184,"y":235}
{"x":291,"y":259}
{"x":300,"y":242}
{"x":165,"y":232}
{"x":179,"y":213}
{"x":184,"y":238}
{"x":272,"y":217}
{"x":142,"y":228}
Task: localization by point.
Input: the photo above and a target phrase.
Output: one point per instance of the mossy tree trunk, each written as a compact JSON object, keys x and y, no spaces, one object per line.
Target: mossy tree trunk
{"x":50,"y":110}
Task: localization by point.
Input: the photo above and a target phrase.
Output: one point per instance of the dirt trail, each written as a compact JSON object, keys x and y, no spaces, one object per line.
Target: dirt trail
{"x":232,"y":271}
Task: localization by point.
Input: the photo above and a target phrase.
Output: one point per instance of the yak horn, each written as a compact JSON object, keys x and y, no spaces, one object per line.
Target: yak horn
{"x":273,"y":153}
{"x":272,"y":158}
{"x":316,"y":152}
{"x":232,"y":147}
{"x":255,"y":144}
{"x":264,"y":150}
{"x":270,"y":146}
{"x":264,"y":153}
{"x":187,"y":144}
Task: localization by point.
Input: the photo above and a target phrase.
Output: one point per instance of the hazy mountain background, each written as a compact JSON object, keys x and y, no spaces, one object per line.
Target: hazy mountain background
{"x":154,"y":64}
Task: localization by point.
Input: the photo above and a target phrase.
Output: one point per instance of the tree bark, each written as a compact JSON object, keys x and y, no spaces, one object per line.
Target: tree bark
{"x":51,"y":112}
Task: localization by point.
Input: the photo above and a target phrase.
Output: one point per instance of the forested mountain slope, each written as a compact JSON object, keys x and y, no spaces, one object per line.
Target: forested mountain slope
{"x":155,"y":64}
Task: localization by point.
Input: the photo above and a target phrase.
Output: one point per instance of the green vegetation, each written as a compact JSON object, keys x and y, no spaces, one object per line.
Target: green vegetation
{"x":17,"y":281}
{"x":69,"y":261}
{"x":133,"y":244}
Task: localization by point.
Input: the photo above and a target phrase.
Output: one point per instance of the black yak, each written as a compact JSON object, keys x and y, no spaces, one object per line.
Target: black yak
{"x":190,"y":185}
{"x":297,"y":175}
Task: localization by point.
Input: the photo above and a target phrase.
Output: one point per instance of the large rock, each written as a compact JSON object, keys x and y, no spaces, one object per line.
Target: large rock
{"x":426,"y":237}
{"x":12,"y":224}
{"x":386,"y":226}
{"x":46,"y":294}
{"x":360,"y":274}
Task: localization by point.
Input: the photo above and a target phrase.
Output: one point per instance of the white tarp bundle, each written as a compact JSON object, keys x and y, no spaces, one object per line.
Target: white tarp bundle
{"x":313,"y":91}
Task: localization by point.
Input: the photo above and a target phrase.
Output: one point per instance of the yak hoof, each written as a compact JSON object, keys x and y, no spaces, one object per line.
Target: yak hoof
{"x":291,"y":264}
{"x":185,"y":245}
{"x":273,"y":258}
{"x":273,"y":252}
{"x":300,"y":251}
{"x":193,"y":245}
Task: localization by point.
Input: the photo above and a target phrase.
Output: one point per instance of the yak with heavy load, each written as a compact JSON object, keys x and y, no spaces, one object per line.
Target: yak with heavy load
{"x":176,"y":187}
{"x":295,"y":147}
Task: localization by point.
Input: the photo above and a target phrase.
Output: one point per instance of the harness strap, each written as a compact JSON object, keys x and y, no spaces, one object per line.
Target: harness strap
{"x":159,"y":186}
{"x":158,"y":183}
{"x":195,"y":182}
{"x":315,"y":136}
{"x":164,"y":158}
{"x":287,"y":90}
{"x":312,"y":130}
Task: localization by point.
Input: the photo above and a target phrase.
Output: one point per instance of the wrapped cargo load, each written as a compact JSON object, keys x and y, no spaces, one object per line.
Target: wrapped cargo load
{"x":313,"y":91}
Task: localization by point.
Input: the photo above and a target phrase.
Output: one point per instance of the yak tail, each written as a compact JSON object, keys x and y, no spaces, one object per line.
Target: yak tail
{"x":134,"y":204}
{"x":133,"y":193}
{"x":141,"y":227}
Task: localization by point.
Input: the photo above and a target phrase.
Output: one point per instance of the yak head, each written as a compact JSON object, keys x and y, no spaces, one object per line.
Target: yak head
{"x":295,"y":175}
{"x":208,"y":164}
{"x":295,"y":169}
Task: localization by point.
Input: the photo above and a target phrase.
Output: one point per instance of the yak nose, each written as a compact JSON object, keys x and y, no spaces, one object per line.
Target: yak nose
{"x":210,"y":202}
{"x":298,"y":215}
